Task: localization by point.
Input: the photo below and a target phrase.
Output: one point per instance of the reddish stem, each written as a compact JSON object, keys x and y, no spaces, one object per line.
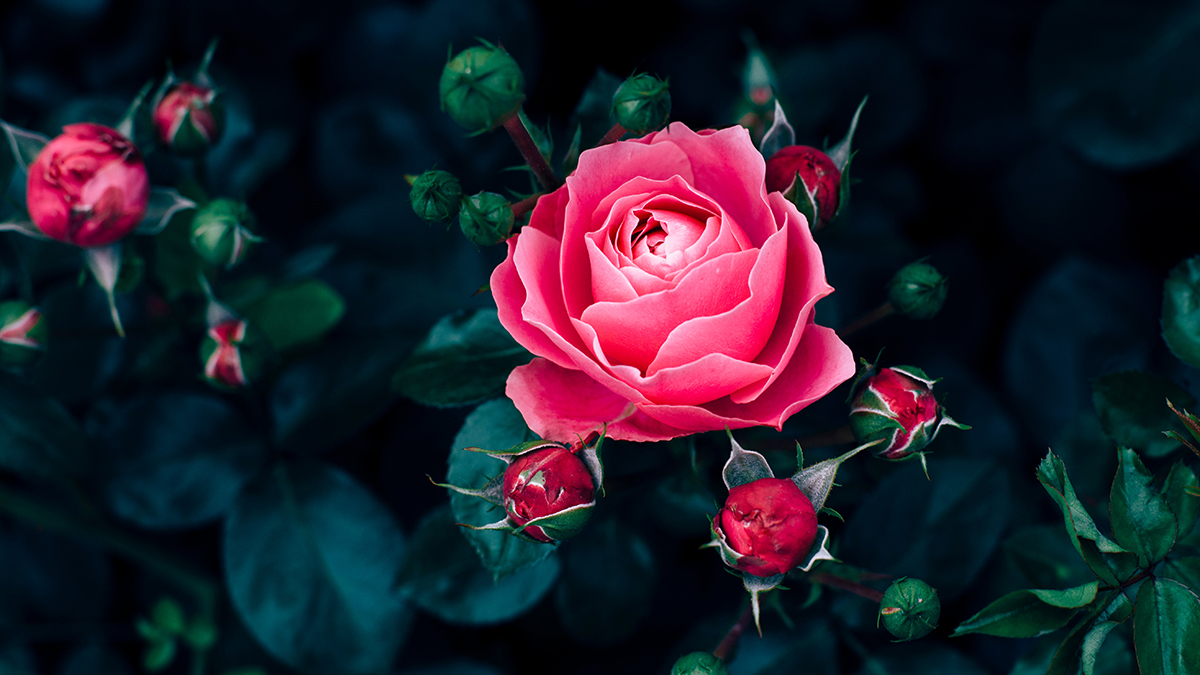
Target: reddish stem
{"x":529,"y":150}
{"x":881,"y":312}
{"x":735,"y":633}
{"x":524,"y":206}
{"x":614,"y":134}
{"x":840,"y":436}
{"x":835,"y":581}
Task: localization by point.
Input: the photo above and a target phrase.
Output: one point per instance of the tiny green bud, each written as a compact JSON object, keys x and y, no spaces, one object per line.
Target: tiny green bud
{"x":167,"y":615}
{"x":910,"y":609}
{"x":436,"y":196}
{"x":159,"y":655}
{"x":486,"y":218}
{"x":22,"y":333}
{"x":482,"y":87}
{"x":221,"y":232}
{"x":917,"y":291}
{"x":201,"y":634}
{"x":699,"y":663}
{"x":642,"y":103}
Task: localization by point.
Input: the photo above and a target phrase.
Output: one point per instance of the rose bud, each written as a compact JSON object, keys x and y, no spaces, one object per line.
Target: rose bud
{"x":897,"y":404}
{"x":910,"y":609}
{"x":770,"y":523}
{"x":231,"y":354}
{"x":804,"y":175}
{"x":221,"y":232}
{"x":189,"y":119}
{"x":482,"y":87}
{"x":486,"y":218}
{"x":544,"y":483}
{"x":642,"y":104}
{"x":436,"y":196}
{"x":917,"y":291}
{"x":87,"y":186}
{"x":22,"y":333}
{"x":699,"y":663}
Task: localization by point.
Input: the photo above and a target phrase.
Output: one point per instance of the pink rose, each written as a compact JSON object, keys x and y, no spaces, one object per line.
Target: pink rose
{"x":88,"y":186}
{"x":667,"y":293}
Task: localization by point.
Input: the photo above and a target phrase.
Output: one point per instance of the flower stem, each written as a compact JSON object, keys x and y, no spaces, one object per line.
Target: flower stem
{"x":735,"y":633}
{"x":881,"y":312}
{"x":840,"y":436}
{"x":525,"y":205}
{"x":614,"y":134}
{"x":529,"y":150}
{"x":834,"y":581}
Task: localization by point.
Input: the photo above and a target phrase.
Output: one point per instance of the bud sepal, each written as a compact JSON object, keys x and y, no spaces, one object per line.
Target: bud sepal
{"x":22,"y":333}
{"x":548,"y":489}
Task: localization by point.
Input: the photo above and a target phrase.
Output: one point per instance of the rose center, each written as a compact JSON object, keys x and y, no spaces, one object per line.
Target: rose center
{"x":662,"y":233}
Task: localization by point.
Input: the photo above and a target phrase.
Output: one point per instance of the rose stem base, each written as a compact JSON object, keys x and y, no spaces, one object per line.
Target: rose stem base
{"x":524,"y":206}
{"x":834,"y":581}
{"x":881,"y":312}
{"x":529,"y":150}
{"x":735,"y":633}
{"x":614,"y":134}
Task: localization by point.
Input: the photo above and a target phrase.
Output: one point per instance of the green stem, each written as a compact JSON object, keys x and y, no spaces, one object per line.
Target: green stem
{"x":881,"y":312}
{"x":529,"y":150}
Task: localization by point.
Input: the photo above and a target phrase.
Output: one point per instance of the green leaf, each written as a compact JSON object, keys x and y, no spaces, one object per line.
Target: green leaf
{"x":1044,"y":557}
{"x":1067,"y":658}
{"x":1132,"y":410}
{"x":159,"y":655}
{"x":494,"y":425}
{"x":1090,"y":647}
{"x":1141,"y":520}
{"x":1166,"y":628}
{"x":1183,"y":505}
{"x":1105,"y":558}
{"x":174,"y":459}
{"x":607,"y":585}
{"x":443,"y":576}
{"x":1112,"y":79}
{"x":310,"y":560}
{"x":1185,"y":570}
{"x":1181,"y":311}
{"x":38,"y":438}
{"x":296,"y":315}
{"x":466,"y":358}
{"x":1029,"y":613}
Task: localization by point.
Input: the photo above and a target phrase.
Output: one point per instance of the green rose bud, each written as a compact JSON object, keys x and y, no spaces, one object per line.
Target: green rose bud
{"x":22,"y":334}
{"x":221,"y":232}
{"x":910,"y":609}
{"x":917,"y":291}
{"x":482,"y":87}
{"x":486,"y":218}
{"x":436,"y":196}
{"x":699,"y":663}
{"x":642,"y":103}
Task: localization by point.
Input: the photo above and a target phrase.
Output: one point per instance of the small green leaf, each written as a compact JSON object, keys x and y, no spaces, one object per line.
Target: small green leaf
{"x":1181,"y":311}
{"x":1184,"y":570}
{"x":159,"y":655}
{"x":1090,"y":647}
{"x":1066,"y":661}
{"x":1104,"y":557}
{"x":38,"y":438}
{"x":1141,"y":520}
{"x":296,"y":315}
{"x":1131,"y":409}
{"x":1166,"y":628}
{"x":466,"y":358}
{"x":1185,"y":507}
{"x":1029,"y":613}
{"x":167,"y":615}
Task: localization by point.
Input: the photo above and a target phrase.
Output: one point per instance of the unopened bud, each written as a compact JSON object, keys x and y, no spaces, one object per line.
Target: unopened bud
{"x":232,"y":354}
{"x":806,"y":176}
{"x":918,"y":291}
{"x":642,"y":103}
{"x":486,"y":218}
{"x":221,"y":232}
{"x":549,"y":482}
{"x":22,"y":333}
{"x":910,"y":609}
{"x":482,"y":87}
{"x":436,"y":196}
{"x":189,"y":118}
{"x":769,"y":524}
{"x":699,"y":663}
{"x":897,"y":404}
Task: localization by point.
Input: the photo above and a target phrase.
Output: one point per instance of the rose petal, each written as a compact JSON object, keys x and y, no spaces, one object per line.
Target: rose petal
{"x":558,"y":404}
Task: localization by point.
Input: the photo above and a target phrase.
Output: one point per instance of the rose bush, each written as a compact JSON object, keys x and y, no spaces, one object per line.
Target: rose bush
{"x":87,"y":186}
{"x":667,"y":293}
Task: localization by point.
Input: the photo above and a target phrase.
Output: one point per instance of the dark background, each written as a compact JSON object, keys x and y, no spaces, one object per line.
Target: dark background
{"x":1043,"y":155}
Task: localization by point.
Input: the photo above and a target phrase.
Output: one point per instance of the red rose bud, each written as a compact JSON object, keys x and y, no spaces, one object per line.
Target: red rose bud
{"x":189,"y":119}
{"x":88,"y":186}
{"x":544,"y":483}
{"x":22,"y":333}
{"x":230,"y":356}
{"x":799,"y":167}
{"x":770,"y":523}
{"x":897,"y":404}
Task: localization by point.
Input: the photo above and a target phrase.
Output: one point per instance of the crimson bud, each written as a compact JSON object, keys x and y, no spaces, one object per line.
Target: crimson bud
{"x":770,"y":523}
{"x":189,"y":118}
{"x":231,"y":355}
{"x":544,"y":483}
{"x":806,"y":175}
{"x":897,"y":404}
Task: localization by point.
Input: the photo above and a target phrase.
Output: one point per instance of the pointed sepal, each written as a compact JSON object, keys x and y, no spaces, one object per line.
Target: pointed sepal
{"x":163,"y":205}
{"x":817,"y":480}
{"x":818,"y":551}
{"x":756,"y":585}
{"x":104,"y":262}
{"x":779,"y":136}
{"x":744,"y":466}
{"x":492,"y":492}
{"x":23,"y":144}
{"x":562,"y":525}
{"x":840,"y":153}
{"x":508,"y":455}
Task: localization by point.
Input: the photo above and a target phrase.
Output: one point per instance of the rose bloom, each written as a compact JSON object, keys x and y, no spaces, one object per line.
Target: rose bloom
{"x":88,"y":186}
{"x":770,"y":522}
{"x":667,"y":293}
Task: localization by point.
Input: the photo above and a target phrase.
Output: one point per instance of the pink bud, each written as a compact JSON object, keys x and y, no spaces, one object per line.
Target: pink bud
{"x":223,"y":364}
{"x":543,"y":483}
{"x":88,"y":186}
{"x":898,"y":405}
{"x":188,"y":118}
{"x":817,"y":173}
{"x":770,"y":523}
